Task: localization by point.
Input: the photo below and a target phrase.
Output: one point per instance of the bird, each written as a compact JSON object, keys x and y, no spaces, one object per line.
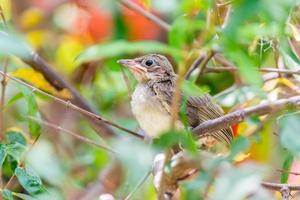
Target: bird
{"x":151,"y":101}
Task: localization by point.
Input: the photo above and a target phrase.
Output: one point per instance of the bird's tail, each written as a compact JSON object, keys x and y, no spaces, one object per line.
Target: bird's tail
{"x":200,"y":109}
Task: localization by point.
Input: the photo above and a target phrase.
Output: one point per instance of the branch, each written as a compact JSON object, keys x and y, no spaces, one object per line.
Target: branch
{"x":237,"y":116}
{"x":108,"y":182}
{"x":292,"y":173}
{"x":3,"y":84}
{"x":195,"y":65}
{"x":39,"y":64}
{"x":72,"y":106}
{"x":279,"y":186}
{"x":182,"y":167}
{"x":129,"y":4}
{"x":200,"y":63}
{"x":233,"y":69}
{"x":75,"y":135}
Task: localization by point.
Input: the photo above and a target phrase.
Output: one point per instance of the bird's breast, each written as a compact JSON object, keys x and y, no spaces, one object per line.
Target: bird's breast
{"x":150,"y":114}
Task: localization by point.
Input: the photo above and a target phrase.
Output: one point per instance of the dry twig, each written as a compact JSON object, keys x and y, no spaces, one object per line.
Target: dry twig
{"x":131,"y":5}
{"x":72,"y":106}
{"x":234,"y":69}
{"x":75,"y":135}
{"x":239,"y":115}
{"x":39,"y":64}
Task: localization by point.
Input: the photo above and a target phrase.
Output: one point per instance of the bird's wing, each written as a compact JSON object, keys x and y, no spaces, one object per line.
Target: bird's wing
{"x":201,"y":109}
{"x":164,"y":91}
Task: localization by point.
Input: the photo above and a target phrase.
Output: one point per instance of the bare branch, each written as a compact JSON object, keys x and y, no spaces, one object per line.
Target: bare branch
{"x":201,"y":63}
{"x":233,"y":69}
{"x":72,"y":106}
{"x":39,"y":64}
{"x":279,"y":186}
{"x":141,"y":182}
{"x":131,"y":5}
{"x":239,"y":115}
{"x":195,"y":65}
{"x":3,"y":90}
{"x":109,"y":180}
{"x":75,"y":135}
{"x":126,"y":80}
{"x":285,"y":171}
{"x":3,"y":84}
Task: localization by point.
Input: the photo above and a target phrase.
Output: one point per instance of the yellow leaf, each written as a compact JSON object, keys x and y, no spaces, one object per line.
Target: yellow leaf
{"x":38,"y":80}
{"x":67,"y":52}
{"x":6,"y":7}
{"x":241,"y":156}
{"x":31,"y":18}
{"x":287,"y":83}
{"x":36,"y":38}
{"x":296,"y":32}
{"x":261,"y":146}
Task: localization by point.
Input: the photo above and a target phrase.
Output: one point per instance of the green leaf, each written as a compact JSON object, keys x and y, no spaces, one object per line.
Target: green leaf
{"x":2,"y":154}
{"x":31,"y":183}
{"x":24,"y":196}
{"x":120,"y":47}
{"x":171,"y":138}
{"x":13,"y":136}
{"x":246,"y":67}
{"x":11,"y":43}
{"x":238,"y":145}
{"x":15,"y":98}
{"x":289,"y":133}
{"x":235,"y":183}
{"x":288,"y":161}
{"x":32,"y":111}
{"x":184,"y":31}
{"x":191,"y":89}
{"x":7,"y":195}
{"x":15,"y":150}
{"x":136,"y":158}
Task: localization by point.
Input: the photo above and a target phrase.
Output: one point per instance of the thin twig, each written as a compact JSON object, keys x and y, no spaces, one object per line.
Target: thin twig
{"x":142,"y":181}
{"x":203,"y":64}
{"x":285,"y":171}
{"x":72,"y":106}
{"x":194,"y":65}
{"x":233,"y":69}
{"x":224,"y":3}
{"x":39,"y":64}
{"x":237,"y":116}
{"x":2,"y":102}
{"x":125,"y":77}
{"x":133,"y":6}
{"x":75,"y":135}
{"x":3,"y":82}
{"x":279,"y":186}
{"x":3,"y":19}
{"x":162,"y":184}
{"x":109,"y":180}
{"x":3,"y":89}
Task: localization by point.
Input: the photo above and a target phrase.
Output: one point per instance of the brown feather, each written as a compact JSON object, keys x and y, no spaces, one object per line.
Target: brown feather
{"x":199,"y":109}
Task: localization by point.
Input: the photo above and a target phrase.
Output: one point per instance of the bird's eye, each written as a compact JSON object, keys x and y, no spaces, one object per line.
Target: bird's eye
{"x":149,"y":62}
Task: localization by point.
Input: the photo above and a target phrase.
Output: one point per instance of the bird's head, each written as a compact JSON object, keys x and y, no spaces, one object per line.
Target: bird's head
{"x":149,"y":67}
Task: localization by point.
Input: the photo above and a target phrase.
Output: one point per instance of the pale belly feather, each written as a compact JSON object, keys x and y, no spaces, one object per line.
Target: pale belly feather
{"x":150,"y":114}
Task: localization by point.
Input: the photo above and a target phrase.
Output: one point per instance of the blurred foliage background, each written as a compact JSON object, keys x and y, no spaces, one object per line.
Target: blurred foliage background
{"x":83,"y":39}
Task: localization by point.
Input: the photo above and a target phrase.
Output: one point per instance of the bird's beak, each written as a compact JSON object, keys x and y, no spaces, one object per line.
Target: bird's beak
{"x":133,"y":65}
